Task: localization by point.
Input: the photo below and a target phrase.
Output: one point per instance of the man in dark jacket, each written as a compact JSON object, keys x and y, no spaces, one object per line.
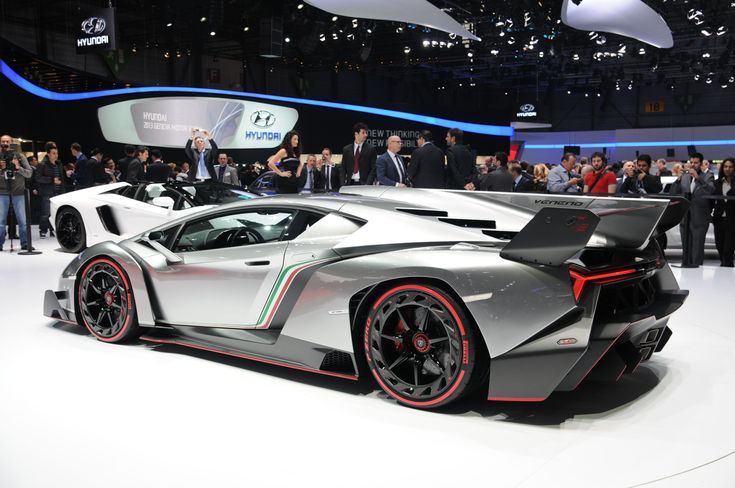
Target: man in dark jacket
{"x":95,"y":169}
{"x":158,"y":171}
{"x":201,"y":159}
{"x":123,"y":163}
{"x":14,"y":171}
{"x":81,"y":178}
{"x":136,"y":169}
{"x":461,"y":168}
{"x":522,"y":182}
{"x":358,"y":158}
{"x":49,"y":185}
{"x":500,"y":179}
{"x":427,"y":169}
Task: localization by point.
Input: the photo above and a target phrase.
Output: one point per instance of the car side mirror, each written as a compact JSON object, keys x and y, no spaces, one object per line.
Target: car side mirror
{"x":164,"y":202}
{"x":156,"y":235}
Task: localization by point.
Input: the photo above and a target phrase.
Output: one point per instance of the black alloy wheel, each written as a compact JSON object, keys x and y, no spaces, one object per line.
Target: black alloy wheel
{"x":70,"y":232}
{"x":106,"y":305}
{"x":420,"y":347}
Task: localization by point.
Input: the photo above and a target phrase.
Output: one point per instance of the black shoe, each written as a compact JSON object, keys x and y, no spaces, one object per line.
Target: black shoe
{"x":42,"y":235}
{"x":51,"y":233}
{"x":689,"y":266}
{"x":730,"y":265}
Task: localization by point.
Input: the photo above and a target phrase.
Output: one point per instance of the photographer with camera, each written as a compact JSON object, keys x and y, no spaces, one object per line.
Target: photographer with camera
{"x":14,"y":171}
{"x":562,"y":179}
{"x":695,"y":185}
{"x":638,"y":180}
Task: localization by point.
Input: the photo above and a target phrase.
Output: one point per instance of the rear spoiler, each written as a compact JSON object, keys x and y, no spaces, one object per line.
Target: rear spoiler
{"x":623,"y":222}
{"x":552,"y":236}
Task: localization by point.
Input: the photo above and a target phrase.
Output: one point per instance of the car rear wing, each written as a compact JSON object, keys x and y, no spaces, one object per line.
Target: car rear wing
{"x":623,"y":222}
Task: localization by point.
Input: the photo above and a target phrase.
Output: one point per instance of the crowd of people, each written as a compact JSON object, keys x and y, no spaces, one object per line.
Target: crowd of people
{"x":712,"y":200}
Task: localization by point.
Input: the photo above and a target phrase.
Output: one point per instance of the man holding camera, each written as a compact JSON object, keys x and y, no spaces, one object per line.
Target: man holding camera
{"x":695,"y":185}
{"x":14,"y":171}
{"x":562,"y":179}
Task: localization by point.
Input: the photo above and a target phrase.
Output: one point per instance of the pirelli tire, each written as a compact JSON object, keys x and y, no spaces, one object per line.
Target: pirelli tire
{"x":105,"y":301}
{"x":420,"y":346}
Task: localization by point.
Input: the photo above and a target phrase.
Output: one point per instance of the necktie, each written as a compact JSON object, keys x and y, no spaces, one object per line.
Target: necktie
{"x":356,"y":166}
{"x":308,"y":179}
{"x":203,"y":173}
{"x":328,"y":184}
{"x":400,"y":169}
{"x":221,"y":172}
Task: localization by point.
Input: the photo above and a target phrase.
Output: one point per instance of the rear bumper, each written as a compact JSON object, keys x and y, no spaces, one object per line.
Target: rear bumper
{"x":604,"y":345}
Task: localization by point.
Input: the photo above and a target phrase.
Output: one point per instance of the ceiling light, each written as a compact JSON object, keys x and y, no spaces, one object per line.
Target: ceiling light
{"x":300,"y":6}
{"x":721,"y":30}
{"x":575,"y":57}
{"x":406,"y":50}
{"x":212,"y":33}
{"x":287,"y":39}
{"x":203,"y":19}
{"x":322,"y":37}
{"x":426,"y":43}
{"x":642,"y":51}
{"x":354,"y":23}
{"x":706,"y":32}
{"x":470,"y":54}
{"x":169,"y":24}
{"x":334,"y":19}
{"x":246,"y":28}
{"x":494,"y":52}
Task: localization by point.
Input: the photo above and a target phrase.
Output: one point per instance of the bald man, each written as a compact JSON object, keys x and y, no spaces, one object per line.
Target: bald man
{"x":390,"y":168}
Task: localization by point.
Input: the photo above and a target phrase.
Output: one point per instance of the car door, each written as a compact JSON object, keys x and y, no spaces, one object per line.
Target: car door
{"x":231,"y":263}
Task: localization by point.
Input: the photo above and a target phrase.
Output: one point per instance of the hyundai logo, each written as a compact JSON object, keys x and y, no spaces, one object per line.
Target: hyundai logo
{"x":262,"y":118}
{"x":94,"y":25}
{"x":527,"y":107}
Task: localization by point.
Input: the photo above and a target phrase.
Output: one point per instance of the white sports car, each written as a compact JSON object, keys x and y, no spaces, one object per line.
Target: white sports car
{"x":120,"y":210}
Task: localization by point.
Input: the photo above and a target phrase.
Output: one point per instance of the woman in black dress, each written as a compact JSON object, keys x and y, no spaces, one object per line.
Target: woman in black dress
{"x":286,"y":163}
{"x":723,"y":215}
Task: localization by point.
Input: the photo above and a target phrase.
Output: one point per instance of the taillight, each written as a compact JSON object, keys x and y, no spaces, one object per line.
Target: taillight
{"x":579,"y":280}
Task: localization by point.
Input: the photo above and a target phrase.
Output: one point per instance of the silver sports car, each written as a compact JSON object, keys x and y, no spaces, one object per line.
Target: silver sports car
{"x":433,"y":293}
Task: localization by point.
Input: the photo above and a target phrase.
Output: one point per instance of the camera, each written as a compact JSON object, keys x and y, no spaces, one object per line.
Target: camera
{"x":9,"y":171}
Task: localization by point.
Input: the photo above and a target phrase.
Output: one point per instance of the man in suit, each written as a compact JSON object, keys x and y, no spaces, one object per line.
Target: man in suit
{"x":331,"y":179}
{"x":123,"y":163}
{"x":310,"y":179}
{"x":136,"y":169}
{"x":390,"y":167}
{"x":461,"y":168}
{"x":358,"y":158}
{"x":225,"y":173}
{"x":695,"y":185}
{"x":157,"y":171}
{"x":201,"y":159}
{"x":95,"y":169}
{"x":427,"y":164}
{"x":499,"y":179}
{"x":522,"y":182}
{"x":81,"y":178}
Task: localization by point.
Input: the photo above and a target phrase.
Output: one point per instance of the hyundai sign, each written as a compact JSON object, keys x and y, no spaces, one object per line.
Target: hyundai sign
{"x":167,"y":121}
{"x":96,"y":31}
{"x":526,"y":110}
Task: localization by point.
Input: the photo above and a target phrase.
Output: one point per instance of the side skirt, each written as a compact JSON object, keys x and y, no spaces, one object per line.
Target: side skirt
{"x":279,"y":350}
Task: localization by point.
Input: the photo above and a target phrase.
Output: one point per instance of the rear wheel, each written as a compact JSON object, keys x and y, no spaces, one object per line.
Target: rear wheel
{"x":106,"y":303}
{"x":420,"y":346}
{"x":70,"y":231}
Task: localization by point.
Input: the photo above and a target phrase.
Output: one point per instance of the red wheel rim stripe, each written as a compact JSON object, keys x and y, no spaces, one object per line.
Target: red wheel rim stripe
{"x":127,"y":292}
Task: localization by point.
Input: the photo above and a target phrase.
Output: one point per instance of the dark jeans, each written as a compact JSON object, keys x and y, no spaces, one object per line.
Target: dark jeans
{"x":44,"y":225}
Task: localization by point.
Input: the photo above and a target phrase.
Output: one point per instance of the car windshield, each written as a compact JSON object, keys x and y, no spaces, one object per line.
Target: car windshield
{"x":213,"y":193}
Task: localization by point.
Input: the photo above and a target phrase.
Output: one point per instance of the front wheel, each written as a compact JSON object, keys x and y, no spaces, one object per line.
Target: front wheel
{"x":70,"y":231}
{"x":420,"y":346}
{"x":106,"y":303}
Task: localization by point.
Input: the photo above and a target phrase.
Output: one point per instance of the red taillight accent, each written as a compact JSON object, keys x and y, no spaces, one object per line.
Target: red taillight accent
{"x":579,"y":281}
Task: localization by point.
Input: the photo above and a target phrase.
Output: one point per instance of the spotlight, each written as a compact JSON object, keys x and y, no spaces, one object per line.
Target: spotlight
{"x":470,"y":54}
{"x":406,"y":50}
{"x":300,"y":6}
{"x":322,"y":37}
{"x":575,"y":57}
{"x":212,"y":33}
{"x":721,"y":30}
{"x":569,"y":92}
{"x":286,"y":39}
{"x":334,"y":19}
{"x":494,"y":52}
{"x":203,"y":19}
{"x":642,"y":51}
{"x":246,"y":28}
{"x":706,"y":55}
{"x":354,"y":23}
{"x":706,"y":32}
{"x":169,"y":24}
{"x":426,"y":43}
